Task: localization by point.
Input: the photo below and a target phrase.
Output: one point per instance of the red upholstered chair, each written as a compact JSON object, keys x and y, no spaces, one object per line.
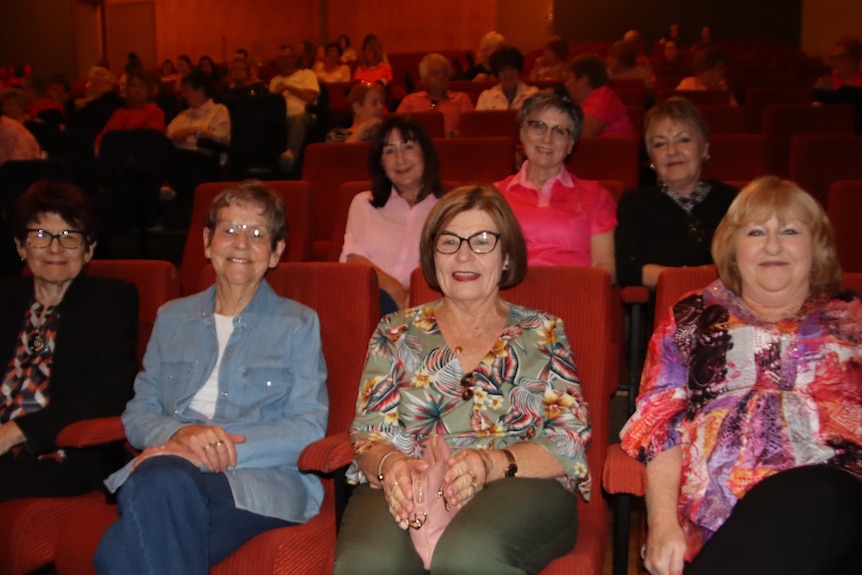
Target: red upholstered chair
{"x":326,"y":166}
{"x":296,"y":196}
{"x":29,"y":527}
{"x":338,"y":92}
{"x":697,"y":97}
{"x":346,"y":323}
{"x":489,"y":123}
{"x":725,"y":119}
{"x":470,"y":160}
{"x":817,"y":160}
{"x":636,"y":117}
{"x":845,"y":205}
{"x":634,"y":95}
{"x":432,"y":121}
{"x":584,"y":307}
{"x":758,"y":97}
{"x":472,"y":89}
{"x":736,"y":157}
{"x":606,"y":158}
{"x":781,"y":123}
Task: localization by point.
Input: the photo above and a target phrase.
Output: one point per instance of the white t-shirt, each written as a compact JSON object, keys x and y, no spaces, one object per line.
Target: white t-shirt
{"x":204,"y":401}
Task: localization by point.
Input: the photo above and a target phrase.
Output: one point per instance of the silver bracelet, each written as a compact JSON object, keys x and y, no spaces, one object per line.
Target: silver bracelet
{"x":380,"y":465}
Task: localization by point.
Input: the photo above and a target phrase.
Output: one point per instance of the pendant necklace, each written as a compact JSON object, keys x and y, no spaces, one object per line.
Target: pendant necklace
{"x":36,"y":342}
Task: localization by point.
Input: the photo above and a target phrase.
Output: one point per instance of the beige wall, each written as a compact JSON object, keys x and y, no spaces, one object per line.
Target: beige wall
{"x":824,"y":21}
{"x":525,"y":23}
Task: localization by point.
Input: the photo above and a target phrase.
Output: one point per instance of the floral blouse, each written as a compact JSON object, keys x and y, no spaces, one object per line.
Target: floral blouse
{"x":746,"y":398}
{"x":525,"y":389}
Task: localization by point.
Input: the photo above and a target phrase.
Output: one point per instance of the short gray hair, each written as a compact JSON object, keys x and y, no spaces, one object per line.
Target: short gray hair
{"x":433,"y":57}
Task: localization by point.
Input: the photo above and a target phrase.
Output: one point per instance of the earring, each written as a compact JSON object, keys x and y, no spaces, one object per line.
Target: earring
{"x":707,"y":158}
{"x":652,"y":166}
{"x":23,"y":259}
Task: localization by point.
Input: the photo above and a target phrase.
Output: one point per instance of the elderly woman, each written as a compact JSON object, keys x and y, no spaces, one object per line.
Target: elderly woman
{"x":604,"y":111}
{"x":435,"y":71}
{"x":368,"y":102}
{"x":507,"y":64}
{"x":70,"y":344}
{"x":751,"y":403}
{"x":233,"y":388}
{"x":481,"y":70}
{"x":331,"y":69}
{"x":552,"y":64}
{"x":383,"y":224}
{"x":623,"y":64}
{"x":241,"y":80}
{"x":473,"y":369}
{"x":710,"y":73}
{"x":670,"y":224}
{"x":566,"y":221}
{"x":373,"y":66}
{"x":139,"y":113}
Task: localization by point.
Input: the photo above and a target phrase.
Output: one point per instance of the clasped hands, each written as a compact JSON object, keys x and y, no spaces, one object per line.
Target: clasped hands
{"x":207,"y":446}
{"x":466,"y":475}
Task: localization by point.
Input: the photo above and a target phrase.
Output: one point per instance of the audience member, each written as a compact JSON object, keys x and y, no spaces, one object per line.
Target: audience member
{"x":92,"y":112}
{"x":139,"y":113}
{"x":331,"y":69}
{"x":481,"y":70}
{"x":368,"y":104}
{"x":40,"y":106}
{"x":604,"y":112}
{"x":710,"y":73}
{"x":58,"y":89}
{"x":507,"y":64}
{"x":241,"y":81}
{"x":16,"y":141}
{"x":552,"y":64}
{"x":15,"y":105}
{"x":844,"y":58}
{"x":348,"y":54}
{"x":168,"y":73}
{"x":372,"y":64}
{"x":623,"y":64}
{"x":434,"y":71}
{"x":299,"y":88}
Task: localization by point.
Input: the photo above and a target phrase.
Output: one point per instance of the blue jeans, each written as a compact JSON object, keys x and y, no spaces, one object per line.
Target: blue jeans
{"x":175,"y":519}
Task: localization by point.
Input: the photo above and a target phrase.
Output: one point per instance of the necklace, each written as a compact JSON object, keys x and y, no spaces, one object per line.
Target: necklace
{"x":36,"y":342}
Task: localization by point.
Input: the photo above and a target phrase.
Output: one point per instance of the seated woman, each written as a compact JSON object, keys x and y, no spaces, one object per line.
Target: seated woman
{"x":139,"y":113}
{"x":481,"y":70}
{"x":566,"y":221}
{"x":472,"y":368}
{"x":233,"y":389}
{"x":168,"y":75}
{"x":208,"y":67}
{"x":70,"y":342}
{"x":604,"y":112}
{"x":368,"y":104}
{"x":623,"y":64}
{"x":710,"y":73}
{"x":749,"y":415}
{"x":670,"y":224}
{"x":372,"y":65}
{"x":348,"y":54}
{"x":241,"y":81}
{"x":383,"y":224}
{"x":844,"y":59}
{"x":551,"y":65}
{"x":434,"y":70}
{"x":331,"y":69}
{"x":507,"y":63}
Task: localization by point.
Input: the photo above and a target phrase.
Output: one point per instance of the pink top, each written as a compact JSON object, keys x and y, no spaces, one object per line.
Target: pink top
{"x":452,"y":106}
{"x":371,"y":75}
{"x":559,"y":220}
{"x":387,"y":236}
{"x":605,"y":105}
{"x":837,"y":83}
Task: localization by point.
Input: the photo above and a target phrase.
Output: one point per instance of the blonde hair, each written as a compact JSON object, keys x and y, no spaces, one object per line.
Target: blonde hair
{"x":759,"y":201}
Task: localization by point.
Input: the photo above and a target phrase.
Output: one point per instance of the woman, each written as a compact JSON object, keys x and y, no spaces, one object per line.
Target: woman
{"x":383,"y":224}
{"x":139,"y":113}
{"x":472,"y":368}
{"x":434,"y":70}
{"x":844,"y":58}
{"x":331,"y":69}
{"x":168,"y":75}
{"x":241,"y":80}
{"x":604,"y":111}
{"x":368,"y":104}
{"x":710,"y":73}
{"x":233,"y":388}
{"x":70,"y":341}
{"x":749,"y":415}
{"x":481,"y":70}
{"x":348,"y":54}
{"x":507,"y":63}
{"x":372,"y":65}
{"x":566,"y":221}
{"x":670,"y":224}
{"x":551,"y":66}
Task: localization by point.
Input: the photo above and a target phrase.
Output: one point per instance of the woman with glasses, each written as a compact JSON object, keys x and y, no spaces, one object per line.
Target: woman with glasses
{"x":671,"y":223}
{"x":232,"y":390}
{"x":69,"y":341}
{"x":486,"y":376}
{"x":567,"y":221}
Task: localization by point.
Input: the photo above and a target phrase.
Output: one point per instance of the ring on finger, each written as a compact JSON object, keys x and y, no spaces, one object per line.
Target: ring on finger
{"x":218,"y":443}
{"x":207,"y":445}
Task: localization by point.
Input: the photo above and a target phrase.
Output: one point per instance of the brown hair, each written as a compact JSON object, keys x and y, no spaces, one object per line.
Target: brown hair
{"x":251,"y":192}
{"x":360,"y":91}
{"x":490,"y":201}
{"x":759,"y":201}
{"x":61,"y":198}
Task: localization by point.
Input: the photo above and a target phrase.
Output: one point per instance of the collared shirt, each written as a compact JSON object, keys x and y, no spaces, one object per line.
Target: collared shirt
{"x":604,"y":104}
{"x":208,"y":116}
{"x":452,"y":106}
{"x":272,"y":391}
{"x":303,"y":79}
{"x":495,"y":99}
{"x":16,"y":141}
{"x":387,"y":236}
{"x":559,"y":220}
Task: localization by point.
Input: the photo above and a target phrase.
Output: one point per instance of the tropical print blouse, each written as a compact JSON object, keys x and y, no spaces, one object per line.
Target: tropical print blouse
{"x":525,"y":389}
{"x":746,"y":398}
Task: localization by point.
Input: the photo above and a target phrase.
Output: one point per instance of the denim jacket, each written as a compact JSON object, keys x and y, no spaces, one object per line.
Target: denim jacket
{"x":272,"y":390}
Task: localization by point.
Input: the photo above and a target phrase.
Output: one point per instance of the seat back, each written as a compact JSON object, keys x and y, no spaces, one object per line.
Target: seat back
{"x":845,"y":205}
{"x":258,"y":133}
{"x":585,"y":308}
{"x":296,"y":195}
{"x":606,"y":158}
{"x":817,"y":160}
{"x":489,"y":123}
{"x":725,"y":119}
{"x":758,"y":97}
{"x":470,"y":160}
{"x":432,"y":121}
{"x":673,"y":283}
{"x":158,"y":282}
{"x":697,"y":97}
{"x":473,"y":89}
{"x":736,"y":157}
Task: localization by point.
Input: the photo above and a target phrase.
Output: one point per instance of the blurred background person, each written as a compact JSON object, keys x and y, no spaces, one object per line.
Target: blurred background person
{"x":604,"y":112}
{"x":331,"y":69}
{"x":481,"y":70}
{"x":507,"y":64}
{"x":368,"y":104}
{"x":434,"y":70}
{"x":551,"y":65}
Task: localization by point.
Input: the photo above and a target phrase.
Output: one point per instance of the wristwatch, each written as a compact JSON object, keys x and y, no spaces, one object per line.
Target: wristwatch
{"x":512,"y":467}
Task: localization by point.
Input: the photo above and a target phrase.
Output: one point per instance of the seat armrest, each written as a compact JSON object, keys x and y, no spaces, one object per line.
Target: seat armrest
{"x":635,"y":294}
{"x":623,"y":474}
{"x":327,"y":454}
{"x":92,"y":432}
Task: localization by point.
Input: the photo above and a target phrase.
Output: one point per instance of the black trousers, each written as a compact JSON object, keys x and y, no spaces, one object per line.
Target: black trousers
{"x":803,"y":521}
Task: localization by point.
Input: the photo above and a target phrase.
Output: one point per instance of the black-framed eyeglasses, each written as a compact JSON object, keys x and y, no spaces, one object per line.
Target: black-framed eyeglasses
{"x":467,"y":383}
{"x":41,"y":239}
{"x":482,"y":242}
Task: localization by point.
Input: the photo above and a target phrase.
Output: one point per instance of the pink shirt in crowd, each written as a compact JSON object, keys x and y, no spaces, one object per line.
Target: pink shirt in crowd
{"x":605,"y":105}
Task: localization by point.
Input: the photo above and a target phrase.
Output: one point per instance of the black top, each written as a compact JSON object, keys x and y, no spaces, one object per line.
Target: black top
{"x":653,"y":229}
{"x":94,"y":361}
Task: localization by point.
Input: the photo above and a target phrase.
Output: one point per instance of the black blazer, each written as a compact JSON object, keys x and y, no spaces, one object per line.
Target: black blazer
{"x":94,"y":357}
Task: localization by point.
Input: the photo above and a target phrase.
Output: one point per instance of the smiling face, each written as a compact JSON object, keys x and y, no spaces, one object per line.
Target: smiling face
{"x":464,"y":276}
{"x":238,"y":258}
{"x":403,"y":162}
{"x":547,"y":150}
{"x":774,"y":260}
{"x":371,"y":107}
{"x":677,"y":151}
{"x":54,"y":264}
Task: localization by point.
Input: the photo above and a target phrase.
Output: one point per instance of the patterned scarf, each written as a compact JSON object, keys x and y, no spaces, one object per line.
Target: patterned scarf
{"x":687,"y":203}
